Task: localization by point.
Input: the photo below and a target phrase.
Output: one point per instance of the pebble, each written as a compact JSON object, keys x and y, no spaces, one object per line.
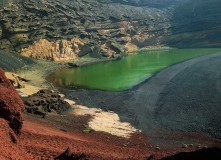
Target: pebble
{"x":184,"y":146}
{"x":157,"y":148}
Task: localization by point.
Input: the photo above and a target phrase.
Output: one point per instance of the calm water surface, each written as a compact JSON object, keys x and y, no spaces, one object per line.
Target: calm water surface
{"x":125,"y":73}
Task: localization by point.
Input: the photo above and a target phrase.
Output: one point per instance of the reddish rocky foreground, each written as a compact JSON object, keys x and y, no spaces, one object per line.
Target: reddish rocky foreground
{"x":61,"y":137}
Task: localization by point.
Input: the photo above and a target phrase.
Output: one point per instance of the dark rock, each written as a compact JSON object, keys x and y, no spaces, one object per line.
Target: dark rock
{"x":84,"y":50}
{"x":152,"y":157}
{"x":203,"y":154}
{"x":69,"y":155}
{"x":117,"y":48}
{"x":74,"y":65}
{"x":46,"y":101}
{"x":96,"y":52}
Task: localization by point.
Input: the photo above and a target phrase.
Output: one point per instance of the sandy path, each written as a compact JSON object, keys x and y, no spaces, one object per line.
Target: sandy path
{"x":159,"y":104}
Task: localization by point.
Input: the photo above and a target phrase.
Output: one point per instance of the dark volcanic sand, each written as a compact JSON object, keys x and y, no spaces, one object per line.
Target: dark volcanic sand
{"x":184,"y":97}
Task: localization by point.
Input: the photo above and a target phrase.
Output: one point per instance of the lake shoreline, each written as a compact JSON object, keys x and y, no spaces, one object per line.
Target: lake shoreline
{"x":36,"y":76}
{"x":38,"y":72}
{"x":126,"y":73}
{"x":123,"y":102}
{"x":114,"y":101}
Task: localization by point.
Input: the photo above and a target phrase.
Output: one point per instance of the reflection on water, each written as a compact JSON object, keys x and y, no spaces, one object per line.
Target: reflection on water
{"x":124,"y":73}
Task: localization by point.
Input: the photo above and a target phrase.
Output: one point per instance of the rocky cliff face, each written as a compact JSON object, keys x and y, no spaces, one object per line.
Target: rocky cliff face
{"x":68,"y":29}
{"x":196,"y":24}
{"x":46,"y":28}
{"x":56,"y":50}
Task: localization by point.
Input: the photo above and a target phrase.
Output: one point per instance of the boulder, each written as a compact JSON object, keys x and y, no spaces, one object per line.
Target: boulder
{"x":129,"y":47}
{"x":69,"y":155}
{"x":107,"y":49}
{"x":46,"y":101}
{"x":97,"y":51}
{"x":117,"y":48}
{"x":16,"y":80}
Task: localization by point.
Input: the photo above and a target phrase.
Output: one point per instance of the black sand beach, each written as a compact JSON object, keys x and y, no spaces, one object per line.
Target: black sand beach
{"x":184,"y":97}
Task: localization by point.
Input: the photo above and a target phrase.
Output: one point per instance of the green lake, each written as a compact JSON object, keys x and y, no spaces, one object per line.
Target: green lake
{"x":125,"y":73}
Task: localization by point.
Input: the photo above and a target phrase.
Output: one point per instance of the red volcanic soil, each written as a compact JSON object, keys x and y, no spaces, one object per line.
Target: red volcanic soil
{"x":50,"y":137}
{"x":47,"y":139}
{"x":9,"y":148}
{"x":61,"y":137}
{"x":11,"y":105}
{"x":11,"y":122}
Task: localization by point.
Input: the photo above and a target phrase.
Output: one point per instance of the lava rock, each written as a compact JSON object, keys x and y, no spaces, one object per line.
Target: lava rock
{"x":45,"y":101}
{"x":69,"y":155}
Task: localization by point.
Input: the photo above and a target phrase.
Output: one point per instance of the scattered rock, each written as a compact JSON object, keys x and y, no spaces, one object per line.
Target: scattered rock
{"x":184,"y":146}
{"x":46,"y":101}
{"x":157,"y":148}
{"x":87,"y":129}
{"x":64,"y":130}
{"x":205,"y":147}
{"x":69,"y":155}
{"x":16,"y":80}
{"x":191,"y":145}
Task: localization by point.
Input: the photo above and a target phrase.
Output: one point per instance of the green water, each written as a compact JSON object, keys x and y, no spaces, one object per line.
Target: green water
{"x":125,"y":73}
